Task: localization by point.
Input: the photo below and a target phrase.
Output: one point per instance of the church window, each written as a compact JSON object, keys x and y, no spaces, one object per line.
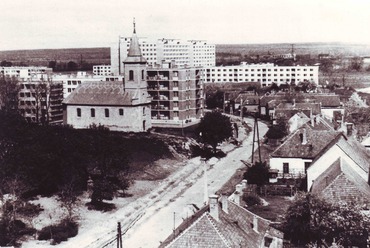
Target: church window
{"x":78,"y":112}
{"x":144,"y":111}
{"x":142,"y":75}
{"x":131,"y":75}
{"x":120,"y":111}
{"x":92,"y":112}
{"x":106,"y":112}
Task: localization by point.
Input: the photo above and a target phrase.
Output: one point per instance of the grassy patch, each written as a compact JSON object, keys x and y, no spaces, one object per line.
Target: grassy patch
{"x":275,"y":210}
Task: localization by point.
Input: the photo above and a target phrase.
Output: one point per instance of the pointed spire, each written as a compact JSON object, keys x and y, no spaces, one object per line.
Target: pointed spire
{"x":134,"y":52}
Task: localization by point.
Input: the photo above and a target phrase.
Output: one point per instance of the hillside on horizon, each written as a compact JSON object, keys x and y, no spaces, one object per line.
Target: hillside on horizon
{"x":101,"y":55}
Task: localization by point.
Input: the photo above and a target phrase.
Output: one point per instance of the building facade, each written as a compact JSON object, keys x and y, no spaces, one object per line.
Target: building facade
{"x":102,"y":70}
{"x":41,"y":101}
{"x":191,"y":53}
{"x":265,"y":74}
{"x":177,"y":95}
{"x":24,"y":73}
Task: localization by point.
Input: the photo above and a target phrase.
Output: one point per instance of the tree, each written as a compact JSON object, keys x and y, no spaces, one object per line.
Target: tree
{"x":214,"y":128}
{"x":356,"y":64}
{"x":313,"y":220}
{"x":9,"y":89}
{"x":257,"y":174}
{"x":215,"y":100}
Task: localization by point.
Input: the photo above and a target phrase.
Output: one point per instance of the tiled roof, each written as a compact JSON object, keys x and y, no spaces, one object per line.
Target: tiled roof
{"x":99,"y":93}
{"x":326,"y":100}
{"x":233,"y":229}
{"x":248,"y":99}
{"x":315,"y":107}
{"x":317,"y":141}
{"x":341,"y":183}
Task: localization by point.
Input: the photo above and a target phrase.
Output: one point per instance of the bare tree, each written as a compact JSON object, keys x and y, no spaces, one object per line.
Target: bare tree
{"x":9,"y":89}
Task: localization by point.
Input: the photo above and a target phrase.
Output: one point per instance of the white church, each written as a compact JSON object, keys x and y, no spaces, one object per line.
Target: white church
{"x":119,"y":106}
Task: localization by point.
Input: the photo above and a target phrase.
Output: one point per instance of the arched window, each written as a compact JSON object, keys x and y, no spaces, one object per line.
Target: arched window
{"x":78,"y":112}
{"x":92,"y":112}
{"x":121,"y":112}
{"x":106,"y":112}
{"x":143,"y":110}
{"x":131,"y":75}
{"x":142,"y":75}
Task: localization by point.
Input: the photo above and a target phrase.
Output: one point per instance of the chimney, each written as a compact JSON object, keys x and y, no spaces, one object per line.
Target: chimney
{"x":304,"y":137}
{"x":255,"y":223}
{"x":293,"y":102}
{"x":239,"y":188}
{"x":244,"y":183}
{"x":312,"y":118}
{"x":225,"y":202}
{"x":237,"y":198}
{"x":213,"y":206}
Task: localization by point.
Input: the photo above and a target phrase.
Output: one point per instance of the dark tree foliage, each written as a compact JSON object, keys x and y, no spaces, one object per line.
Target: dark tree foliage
{"x":214,"y":128}
{"x":9,"y":89}
{"x":313,"y":220}
{"x":215,"y":100}
{"x":257,"y":174}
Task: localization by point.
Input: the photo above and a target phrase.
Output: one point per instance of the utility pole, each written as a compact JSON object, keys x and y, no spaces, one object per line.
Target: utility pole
{"x":205,"y":181}
{"x":256,"y":131}
{"x":119,"y":235}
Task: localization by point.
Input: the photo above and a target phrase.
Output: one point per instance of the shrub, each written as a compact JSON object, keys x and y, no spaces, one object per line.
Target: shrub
{"x":251,"y":200}
{"x":58,"y":233}
{"x":12,"y":231}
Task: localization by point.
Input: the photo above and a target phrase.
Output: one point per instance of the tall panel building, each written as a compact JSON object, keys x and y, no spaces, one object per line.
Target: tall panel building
{"x":190,"y":53}
{"x":177,"y":95}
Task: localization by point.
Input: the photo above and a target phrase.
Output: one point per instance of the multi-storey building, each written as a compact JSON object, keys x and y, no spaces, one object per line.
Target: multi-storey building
{"x":23,"y":73}
{"x":41,"y":101}
{"x":191,"y":53}
{"x":265,"y":74}
{"x":102,"y":70}
{"x":177,"y":95}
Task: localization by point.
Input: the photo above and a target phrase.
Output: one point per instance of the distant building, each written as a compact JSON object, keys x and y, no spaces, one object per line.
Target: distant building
{"x":177,"y":95}
{"x":265,"y":74}
{"x":23,"y":73}
{"x":192,"y":53}
{"x":119,"y":106}
{"x":102,"y":70}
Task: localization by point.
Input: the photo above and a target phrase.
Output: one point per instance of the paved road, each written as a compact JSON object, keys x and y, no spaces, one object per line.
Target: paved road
{"x":160,"y":218}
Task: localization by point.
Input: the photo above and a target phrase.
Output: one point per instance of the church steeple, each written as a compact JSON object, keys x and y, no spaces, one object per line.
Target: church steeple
{"x":134,"y":52}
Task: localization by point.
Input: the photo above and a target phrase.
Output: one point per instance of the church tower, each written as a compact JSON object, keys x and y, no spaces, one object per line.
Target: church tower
{"x":135,"y":72}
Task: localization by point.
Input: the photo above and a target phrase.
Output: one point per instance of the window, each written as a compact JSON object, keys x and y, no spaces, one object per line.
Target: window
{"x":143,"y":110}
{"x":285,"y":168}
{"x":106,"y":112}
{"x":120,"y":111}
{"x":78,"y":112}
{"x":176,"y":94}
{"x":131,"y":75}
{"x":142,"y":75}
{"x":92,"y":112}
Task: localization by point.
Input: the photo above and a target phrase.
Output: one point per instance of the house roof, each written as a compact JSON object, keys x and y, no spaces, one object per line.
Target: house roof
{"x":99,"y":93}
{"x":356,"y":152}
{"x":233,"y":229}
{"x":314,"y":107}
{"x":341,"y":183}
{"x":327,"y":100}
{"x":248,"y":99}
{"x":366,"y":141}
{"x":317,"y":141}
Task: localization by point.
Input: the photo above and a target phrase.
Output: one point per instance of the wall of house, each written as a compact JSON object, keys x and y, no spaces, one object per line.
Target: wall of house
{"x":296,"y":166}
{"x":329,"y":112}
{"x":327,"y":159}
{"x":131,"y":120}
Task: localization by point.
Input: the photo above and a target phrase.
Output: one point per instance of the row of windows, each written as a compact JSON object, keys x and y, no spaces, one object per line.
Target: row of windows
{"x":258,"y":75}
{"x":281,"y":69}
{"x":92,"y":112}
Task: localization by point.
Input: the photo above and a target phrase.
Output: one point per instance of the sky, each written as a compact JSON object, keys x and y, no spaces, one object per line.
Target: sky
{"x":41,"y":24}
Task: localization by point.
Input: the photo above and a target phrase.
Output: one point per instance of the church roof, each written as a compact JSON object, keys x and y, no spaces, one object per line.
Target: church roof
{"x":99,"y":93}
{"x":134,"y":53}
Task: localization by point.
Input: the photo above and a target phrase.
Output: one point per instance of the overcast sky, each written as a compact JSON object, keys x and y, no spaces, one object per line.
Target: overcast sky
{"x":34,"y":24}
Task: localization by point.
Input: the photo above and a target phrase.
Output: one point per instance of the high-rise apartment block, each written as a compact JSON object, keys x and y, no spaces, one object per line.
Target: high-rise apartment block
{"x":192,"y":53}
{"x":177,"y":95}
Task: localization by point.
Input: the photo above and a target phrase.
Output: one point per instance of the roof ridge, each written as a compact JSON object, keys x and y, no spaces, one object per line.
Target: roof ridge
{"x":218,"y":231}
{"x":186,"y":230}
{"x":350,"y":156}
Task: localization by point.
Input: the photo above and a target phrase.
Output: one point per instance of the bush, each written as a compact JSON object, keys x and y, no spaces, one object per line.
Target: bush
{"x":251,"y":200}
{"x":58,"y":233}
{"x":205,"y":152}
{"x":100,"y":206}
{"x":12,"y":231}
